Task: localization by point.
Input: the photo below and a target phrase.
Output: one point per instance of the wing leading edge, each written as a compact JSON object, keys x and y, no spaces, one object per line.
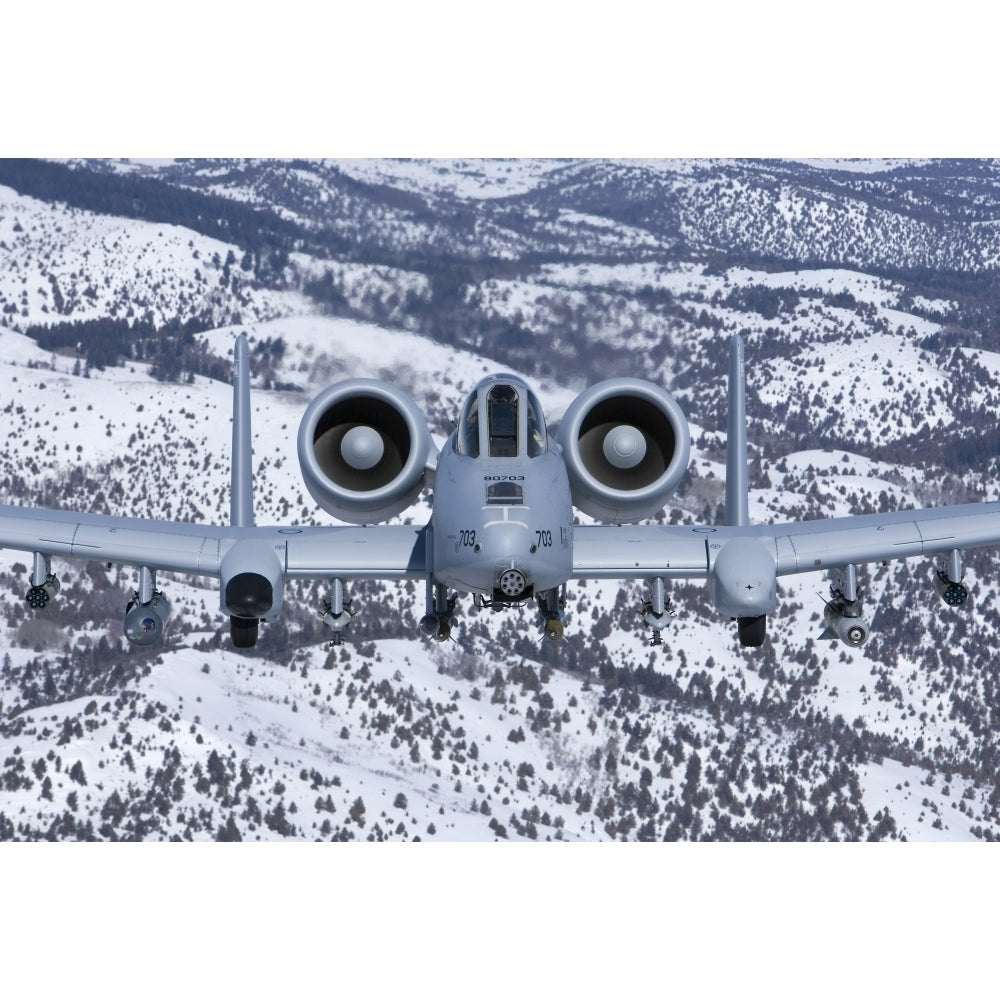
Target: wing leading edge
{"x":388,"y":552}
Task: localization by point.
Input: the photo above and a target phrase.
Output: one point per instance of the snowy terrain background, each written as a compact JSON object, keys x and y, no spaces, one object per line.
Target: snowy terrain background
{"x":865,"y":293}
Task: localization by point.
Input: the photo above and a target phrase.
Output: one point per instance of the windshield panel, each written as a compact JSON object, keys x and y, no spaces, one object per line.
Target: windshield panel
{"x":501,"y":417}
{"x":537,"y":438}
{"x":467,"y":438}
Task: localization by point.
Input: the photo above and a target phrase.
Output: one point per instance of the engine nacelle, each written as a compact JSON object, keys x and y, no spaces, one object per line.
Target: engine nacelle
{"x":363,"y":448}
{"x":852,"y":630}
{"x":144,"y":623}
{"x":626,"y":446}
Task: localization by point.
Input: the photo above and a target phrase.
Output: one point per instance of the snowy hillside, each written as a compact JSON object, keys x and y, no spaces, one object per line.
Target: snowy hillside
{"x":872,"y":385}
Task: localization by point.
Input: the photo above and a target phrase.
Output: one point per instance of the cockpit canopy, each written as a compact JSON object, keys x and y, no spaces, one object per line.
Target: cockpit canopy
{"x":502,"y":418}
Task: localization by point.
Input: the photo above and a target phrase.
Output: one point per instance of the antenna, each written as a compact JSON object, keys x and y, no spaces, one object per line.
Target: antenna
{"x":241,"y":489}
{"x":737,"y":486}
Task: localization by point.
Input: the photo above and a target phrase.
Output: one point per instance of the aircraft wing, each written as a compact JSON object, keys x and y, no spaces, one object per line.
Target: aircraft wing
{"x":640,"y":551}
{"x":808,"y":546}
{"x":164,"y":545}
{"x":675,"y":552}
{"x":378,"y":552}
{"x":386,"y":552}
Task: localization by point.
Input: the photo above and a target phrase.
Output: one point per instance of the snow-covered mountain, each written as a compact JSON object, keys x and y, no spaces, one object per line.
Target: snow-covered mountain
{"x":866,"y":298}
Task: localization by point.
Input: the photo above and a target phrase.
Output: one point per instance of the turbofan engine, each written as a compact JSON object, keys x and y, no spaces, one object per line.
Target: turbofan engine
{"x":626,"y":445}
{"x":363,"y":447}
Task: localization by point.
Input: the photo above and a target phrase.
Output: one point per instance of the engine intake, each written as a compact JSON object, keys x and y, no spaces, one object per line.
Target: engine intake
{"x":626,"y":445}
{"x":363,"y":447}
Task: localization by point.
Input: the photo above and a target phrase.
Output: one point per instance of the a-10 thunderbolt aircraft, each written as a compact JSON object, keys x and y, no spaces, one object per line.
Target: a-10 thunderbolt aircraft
{"x":502,"y":523}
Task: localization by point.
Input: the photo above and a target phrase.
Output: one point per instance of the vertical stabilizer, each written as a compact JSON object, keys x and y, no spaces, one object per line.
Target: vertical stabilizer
{"x":737,"y":485}
{"x":241,"y":490}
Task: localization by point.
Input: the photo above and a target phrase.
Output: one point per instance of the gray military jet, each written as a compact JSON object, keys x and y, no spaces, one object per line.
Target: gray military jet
{"x":502,"y":523}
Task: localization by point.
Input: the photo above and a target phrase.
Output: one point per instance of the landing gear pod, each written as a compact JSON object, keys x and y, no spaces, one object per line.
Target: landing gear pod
{"x":743,"y":580}
{"x":252,"y":588}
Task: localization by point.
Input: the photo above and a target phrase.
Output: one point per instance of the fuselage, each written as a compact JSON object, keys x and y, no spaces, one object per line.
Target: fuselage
{"x":502,"y":522}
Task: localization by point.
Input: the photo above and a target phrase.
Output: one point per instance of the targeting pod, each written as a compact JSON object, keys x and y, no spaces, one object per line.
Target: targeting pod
{"x":852,"y":630}
{"x":144,"y":623}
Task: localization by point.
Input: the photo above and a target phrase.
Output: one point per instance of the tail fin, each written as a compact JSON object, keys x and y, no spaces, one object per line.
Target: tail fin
{"x":241,"y":489}
{"x":737,"y":486}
